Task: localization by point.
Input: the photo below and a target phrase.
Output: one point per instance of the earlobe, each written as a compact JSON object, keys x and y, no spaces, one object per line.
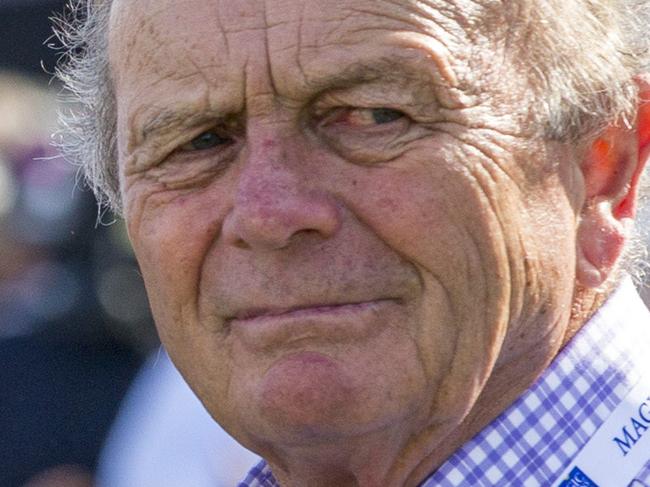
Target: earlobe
{"x":612,"y":169}
{"x":600,"y":242}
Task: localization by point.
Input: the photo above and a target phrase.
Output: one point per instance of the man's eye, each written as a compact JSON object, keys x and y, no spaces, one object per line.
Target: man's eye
{"x":365,"y":117}
{"x":385,"y":115}
{"x":207,"y":140}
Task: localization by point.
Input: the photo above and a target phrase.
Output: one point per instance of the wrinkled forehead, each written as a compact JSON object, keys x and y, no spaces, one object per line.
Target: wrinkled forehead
{"x":264,"y":13}
{"x":156,"y":41}
{"x":209,"y":25}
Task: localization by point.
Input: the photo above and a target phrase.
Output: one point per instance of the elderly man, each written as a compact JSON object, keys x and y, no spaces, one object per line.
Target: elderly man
{"x":382,"y":239}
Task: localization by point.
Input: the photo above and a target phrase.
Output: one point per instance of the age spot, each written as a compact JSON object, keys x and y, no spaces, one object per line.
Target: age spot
{"x":268,"y":143}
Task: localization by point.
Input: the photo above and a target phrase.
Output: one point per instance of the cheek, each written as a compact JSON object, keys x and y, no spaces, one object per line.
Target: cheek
{"x":439,"y":218}
{"x":442,"y":222}
{"x":171,"y":235}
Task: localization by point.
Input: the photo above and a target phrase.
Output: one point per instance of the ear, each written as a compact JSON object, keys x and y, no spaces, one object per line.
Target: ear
{"x":611,"y":169}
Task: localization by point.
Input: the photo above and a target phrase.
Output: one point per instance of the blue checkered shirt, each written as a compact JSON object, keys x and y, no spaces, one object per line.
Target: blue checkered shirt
{"x":534,"y":440}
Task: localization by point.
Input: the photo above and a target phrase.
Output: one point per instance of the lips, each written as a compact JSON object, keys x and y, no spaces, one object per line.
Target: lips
{"x":252,"y":314}
{"x":264,"y":328}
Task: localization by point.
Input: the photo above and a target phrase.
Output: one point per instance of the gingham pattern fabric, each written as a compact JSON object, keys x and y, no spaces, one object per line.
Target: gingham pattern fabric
{"x":534,"y":440}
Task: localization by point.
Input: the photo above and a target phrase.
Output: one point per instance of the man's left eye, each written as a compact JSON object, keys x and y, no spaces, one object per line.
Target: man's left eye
{"x":205,"y":141}
{"x":365,"y":117}
{"x":385,"y":115}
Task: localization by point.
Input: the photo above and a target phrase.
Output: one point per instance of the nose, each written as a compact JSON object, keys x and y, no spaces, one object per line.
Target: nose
{"x":276,"y":201}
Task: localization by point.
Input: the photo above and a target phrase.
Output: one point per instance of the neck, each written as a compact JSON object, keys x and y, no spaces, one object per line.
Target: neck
{"x":586,"y":302}
{"x":375,"y":459}
{"x":386,"y":459}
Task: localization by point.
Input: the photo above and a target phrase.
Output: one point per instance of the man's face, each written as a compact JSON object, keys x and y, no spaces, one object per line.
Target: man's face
{"x":343,"y":220}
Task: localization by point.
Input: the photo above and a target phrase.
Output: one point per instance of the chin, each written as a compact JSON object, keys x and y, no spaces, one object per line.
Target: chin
{"x":308,"y":398}
{"x":308,"y":395}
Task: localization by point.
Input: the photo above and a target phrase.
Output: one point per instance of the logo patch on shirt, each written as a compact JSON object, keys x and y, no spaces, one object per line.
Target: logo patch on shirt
{"x":577,"y":478}
{"x":637,"y":426}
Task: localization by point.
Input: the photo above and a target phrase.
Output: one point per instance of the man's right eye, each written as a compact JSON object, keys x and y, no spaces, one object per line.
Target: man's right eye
{"x":205,"y":141}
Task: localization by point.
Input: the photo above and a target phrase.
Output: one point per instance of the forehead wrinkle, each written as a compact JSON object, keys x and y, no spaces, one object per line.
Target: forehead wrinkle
{"x":443,"y":30}
{"x":466,"y":21}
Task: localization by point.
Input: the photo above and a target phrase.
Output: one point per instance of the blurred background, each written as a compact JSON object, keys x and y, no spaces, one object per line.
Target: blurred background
{"x":74,"y":322}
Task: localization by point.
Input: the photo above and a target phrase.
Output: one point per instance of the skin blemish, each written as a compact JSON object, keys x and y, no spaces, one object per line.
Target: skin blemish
{"x":268,"y":144}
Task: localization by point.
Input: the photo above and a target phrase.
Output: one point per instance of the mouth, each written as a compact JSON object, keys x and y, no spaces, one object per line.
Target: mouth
{"x":254,"y":314}
{"x":264,"y":328}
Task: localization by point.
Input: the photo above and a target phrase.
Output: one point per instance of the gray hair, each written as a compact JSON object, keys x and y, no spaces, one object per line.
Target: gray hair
{"x":581,"y":54}
{"x":88,"y":128}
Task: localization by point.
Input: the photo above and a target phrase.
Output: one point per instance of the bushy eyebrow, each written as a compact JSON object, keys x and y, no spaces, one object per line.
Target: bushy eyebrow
{"x":167,"y":119}
{"x":401,"y":71}
{"x":385,"y":70}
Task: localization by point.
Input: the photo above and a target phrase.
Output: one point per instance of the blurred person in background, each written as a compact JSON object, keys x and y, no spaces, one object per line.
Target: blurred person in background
{"x":67,"y":354}
{"x":164,"y":437}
